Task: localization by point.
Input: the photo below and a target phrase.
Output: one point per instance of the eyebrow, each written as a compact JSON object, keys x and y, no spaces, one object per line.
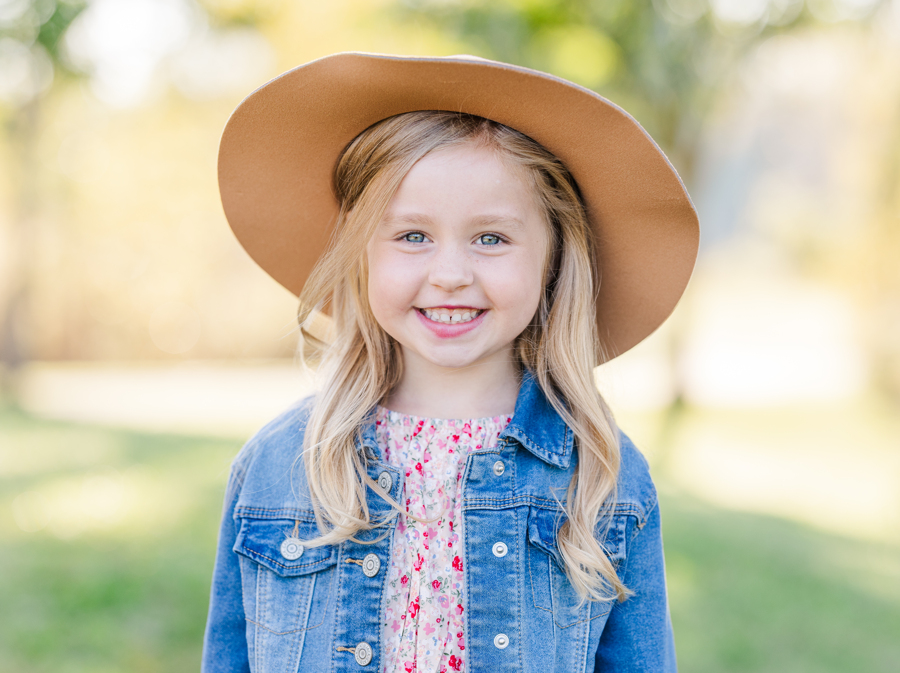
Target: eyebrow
{"x":484,"y":220}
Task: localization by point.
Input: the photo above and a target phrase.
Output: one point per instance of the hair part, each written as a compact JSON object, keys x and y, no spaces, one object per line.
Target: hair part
{"x":360,"y":363}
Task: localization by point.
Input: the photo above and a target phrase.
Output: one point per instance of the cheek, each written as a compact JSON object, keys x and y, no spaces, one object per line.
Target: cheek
{"x":391,"y":287}
{"x":517,"y":288}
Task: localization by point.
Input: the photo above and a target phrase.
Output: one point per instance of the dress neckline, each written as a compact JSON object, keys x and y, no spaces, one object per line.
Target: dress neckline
{"x":393,"y":416}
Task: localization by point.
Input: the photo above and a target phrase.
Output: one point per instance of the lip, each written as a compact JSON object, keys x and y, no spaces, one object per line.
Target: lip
{"x":451,"y":330}
{"x":451,"y":306}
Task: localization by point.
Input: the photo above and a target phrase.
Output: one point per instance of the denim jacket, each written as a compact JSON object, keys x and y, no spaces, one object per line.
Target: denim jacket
{"x":321,"y":610}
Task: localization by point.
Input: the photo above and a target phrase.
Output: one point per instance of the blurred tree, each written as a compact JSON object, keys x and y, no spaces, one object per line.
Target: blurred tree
{"x":36,"y":64}
{"x":31,"y":65}
{"x":662,"y":60}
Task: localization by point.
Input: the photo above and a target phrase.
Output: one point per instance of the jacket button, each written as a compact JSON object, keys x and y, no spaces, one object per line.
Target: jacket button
{"x":385,"y":481}
{"x":500,"y":549}
{"x":499,"y":467}
{"x":292,"y":549}
{"x":363,"y":654}
{"x":371,"y":565}
{"x":501,"y":640}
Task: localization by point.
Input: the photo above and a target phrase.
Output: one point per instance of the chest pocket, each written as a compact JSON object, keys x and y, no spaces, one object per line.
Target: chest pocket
{"x":551,"y":589}
{"x":285,"y":588}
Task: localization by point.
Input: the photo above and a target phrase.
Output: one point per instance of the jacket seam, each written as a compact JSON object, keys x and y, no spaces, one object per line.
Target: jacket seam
{"x":522,"y":500}
{"x":301,"y":514}
{"x":520,"y":619}
{"x":256,"y":554}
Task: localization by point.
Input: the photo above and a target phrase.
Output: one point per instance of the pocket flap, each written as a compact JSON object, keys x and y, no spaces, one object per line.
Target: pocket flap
{"x":261,"y":540}
{"x":543,"y":530}
{"x":543,"y":526}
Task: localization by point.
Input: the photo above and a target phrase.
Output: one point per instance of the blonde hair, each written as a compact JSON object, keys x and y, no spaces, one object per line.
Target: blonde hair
{"x":360,"y":364}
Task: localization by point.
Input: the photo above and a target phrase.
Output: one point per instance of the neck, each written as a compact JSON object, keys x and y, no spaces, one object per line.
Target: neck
{"x":481,"y":390}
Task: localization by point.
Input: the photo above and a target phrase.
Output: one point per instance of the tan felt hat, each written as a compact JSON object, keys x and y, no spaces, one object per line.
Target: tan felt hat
{"x":280,"y":146}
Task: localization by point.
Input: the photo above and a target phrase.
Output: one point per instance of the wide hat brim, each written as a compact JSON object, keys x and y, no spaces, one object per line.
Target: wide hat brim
{"x":280,"y":146}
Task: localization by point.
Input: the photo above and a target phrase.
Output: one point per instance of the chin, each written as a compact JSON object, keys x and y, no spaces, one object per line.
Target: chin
{"x":452,"y":363}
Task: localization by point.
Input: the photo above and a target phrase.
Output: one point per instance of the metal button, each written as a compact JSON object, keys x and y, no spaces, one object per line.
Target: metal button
{"x":501,"y":640}
{"x":292,"y":549}
{"x":363,"y":653}
{"x":371,"y":565}
{"x":499,"y":467}
{"x":500,"y":549}
{"x":385,"y":481}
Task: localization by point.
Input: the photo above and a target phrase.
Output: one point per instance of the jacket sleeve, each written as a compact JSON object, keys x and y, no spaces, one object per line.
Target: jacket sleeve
{"x":638,"y":635}
{"x":225,"y":640}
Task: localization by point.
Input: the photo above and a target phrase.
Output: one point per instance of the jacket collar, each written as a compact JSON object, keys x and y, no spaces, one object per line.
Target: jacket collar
{"x":535,"y":425}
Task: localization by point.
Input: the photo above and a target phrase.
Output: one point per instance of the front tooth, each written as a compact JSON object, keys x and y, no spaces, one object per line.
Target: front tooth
{"x":456,"y":317}
{"x":445,"y":317}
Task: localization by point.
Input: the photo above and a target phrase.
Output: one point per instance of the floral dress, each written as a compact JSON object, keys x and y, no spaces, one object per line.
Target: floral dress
{"x":423,"y":622}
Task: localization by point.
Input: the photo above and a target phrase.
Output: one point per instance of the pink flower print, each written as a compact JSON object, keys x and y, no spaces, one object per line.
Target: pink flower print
{"x":432,"y":542}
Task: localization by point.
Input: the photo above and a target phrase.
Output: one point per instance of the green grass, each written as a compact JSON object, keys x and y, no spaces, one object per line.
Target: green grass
{"x":755,"y":593}
{"x":87,"y":592}
{"x":130,"y":596}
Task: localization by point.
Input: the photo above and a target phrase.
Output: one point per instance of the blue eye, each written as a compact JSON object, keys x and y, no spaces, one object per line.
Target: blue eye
{"x":489,"y":239}
{"x":414,"y":237}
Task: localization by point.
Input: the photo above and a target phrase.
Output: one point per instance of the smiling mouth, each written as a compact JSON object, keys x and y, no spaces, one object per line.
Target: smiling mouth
{"x":448,"y":316}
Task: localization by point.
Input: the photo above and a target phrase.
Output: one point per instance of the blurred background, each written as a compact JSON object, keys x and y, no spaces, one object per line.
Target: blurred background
{"x":140,"y":346}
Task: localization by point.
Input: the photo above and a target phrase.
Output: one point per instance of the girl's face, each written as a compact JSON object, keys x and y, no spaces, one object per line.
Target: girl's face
{"x":456,"y":267}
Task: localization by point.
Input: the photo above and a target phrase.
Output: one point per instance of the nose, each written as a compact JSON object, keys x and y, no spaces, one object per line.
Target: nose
{"x":451,"y":269}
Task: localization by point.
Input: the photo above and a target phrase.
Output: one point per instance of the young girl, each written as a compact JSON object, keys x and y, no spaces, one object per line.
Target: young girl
{"x":457,"y":496}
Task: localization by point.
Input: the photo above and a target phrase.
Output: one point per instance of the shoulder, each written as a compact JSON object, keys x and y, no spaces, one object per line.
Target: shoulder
{"x":273,"y":455}
{"x":635,"y":490}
